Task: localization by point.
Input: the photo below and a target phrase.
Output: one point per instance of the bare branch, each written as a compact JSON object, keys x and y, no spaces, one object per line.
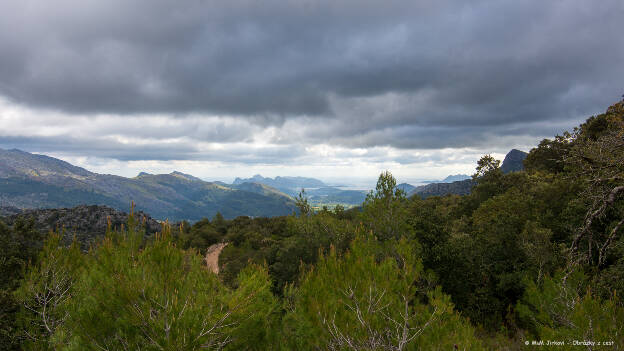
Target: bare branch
{"x":392,"y":334}
{"x":603,"y":250}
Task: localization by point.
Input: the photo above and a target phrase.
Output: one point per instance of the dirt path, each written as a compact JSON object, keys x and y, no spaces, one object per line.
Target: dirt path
{"x":212,"y":256}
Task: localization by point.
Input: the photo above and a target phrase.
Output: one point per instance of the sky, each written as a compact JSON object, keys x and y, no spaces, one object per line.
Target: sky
{"x":332,"y":89}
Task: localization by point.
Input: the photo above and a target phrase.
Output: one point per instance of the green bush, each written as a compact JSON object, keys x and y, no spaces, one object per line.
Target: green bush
{"x":565,"y":308}
{"x":375,"y":297}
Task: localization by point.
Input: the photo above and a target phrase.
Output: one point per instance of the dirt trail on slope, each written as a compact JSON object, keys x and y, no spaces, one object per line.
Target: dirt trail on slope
{"x":212,"y":256}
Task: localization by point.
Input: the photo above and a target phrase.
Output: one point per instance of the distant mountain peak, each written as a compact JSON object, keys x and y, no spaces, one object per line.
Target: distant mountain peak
{"x":257,"y":178}
{"x":287,"y":184}
{"x":513,"y":161}
{"x":144,"y":174}
{"x":407,"y":188}
{"x":455,"y":178}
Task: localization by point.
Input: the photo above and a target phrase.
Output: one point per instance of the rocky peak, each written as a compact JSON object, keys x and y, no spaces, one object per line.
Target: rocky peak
{"x":513,"y":161}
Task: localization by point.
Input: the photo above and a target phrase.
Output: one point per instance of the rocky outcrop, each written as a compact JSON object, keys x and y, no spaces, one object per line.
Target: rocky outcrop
{"x":86,"y":223}
{"x":513,"y":161}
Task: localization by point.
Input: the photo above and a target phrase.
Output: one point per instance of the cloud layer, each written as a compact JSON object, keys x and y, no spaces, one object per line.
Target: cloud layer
{"x":265,"y":81}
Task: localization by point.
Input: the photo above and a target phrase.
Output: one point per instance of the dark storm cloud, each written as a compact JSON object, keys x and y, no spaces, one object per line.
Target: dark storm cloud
{"x":100,"y":148}
{"x":409,"y":74}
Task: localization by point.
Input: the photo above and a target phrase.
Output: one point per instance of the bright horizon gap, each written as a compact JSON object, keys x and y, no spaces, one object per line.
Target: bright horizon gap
{"x":206,"y":172}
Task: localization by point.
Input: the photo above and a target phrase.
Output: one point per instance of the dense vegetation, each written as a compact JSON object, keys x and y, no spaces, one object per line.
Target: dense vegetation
{"x":531,"y":255}
{"x":85,"y":224}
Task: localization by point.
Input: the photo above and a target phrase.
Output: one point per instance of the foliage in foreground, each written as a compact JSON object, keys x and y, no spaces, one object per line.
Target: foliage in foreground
{"x":18,"y":246}
{"x":375,"y":297}
{"x":565,"y":308}
{"x":127,"y":295}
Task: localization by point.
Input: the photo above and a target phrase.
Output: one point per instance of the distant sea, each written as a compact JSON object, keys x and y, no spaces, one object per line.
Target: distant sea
{"x":368,"y":187}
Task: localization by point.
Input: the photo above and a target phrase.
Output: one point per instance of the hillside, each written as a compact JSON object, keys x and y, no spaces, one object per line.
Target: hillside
{"x":462,"y":187}
{"x":259,"y":188}
{"x":36,"y":181}
{"x":85,"y":223}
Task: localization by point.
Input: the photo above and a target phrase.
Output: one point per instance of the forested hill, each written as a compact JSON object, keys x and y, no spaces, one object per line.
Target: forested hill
{"x":461,"y":187}
{"x":37,"y":181}
{"x":513,"y":162}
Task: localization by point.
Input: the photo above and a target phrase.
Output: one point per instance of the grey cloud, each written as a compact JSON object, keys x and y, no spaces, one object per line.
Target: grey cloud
{"x":195,"y":129}
{"x":497,"y":138}
{"x":100,"y":148}
{"x":409,"y":74}
{"x":180,"y":150}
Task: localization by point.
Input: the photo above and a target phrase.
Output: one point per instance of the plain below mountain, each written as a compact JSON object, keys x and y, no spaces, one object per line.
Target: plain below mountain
{"x":316,"y":191}
{"x":287,"y":185}
{"x":334,"y":195}
{"x":6,"y":211}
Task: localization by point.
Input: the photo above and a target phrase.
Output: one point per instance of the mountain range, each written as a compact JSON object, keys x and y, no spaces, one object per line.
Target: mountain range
{"x":283,"y":182}
{"x":38,"y":181}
